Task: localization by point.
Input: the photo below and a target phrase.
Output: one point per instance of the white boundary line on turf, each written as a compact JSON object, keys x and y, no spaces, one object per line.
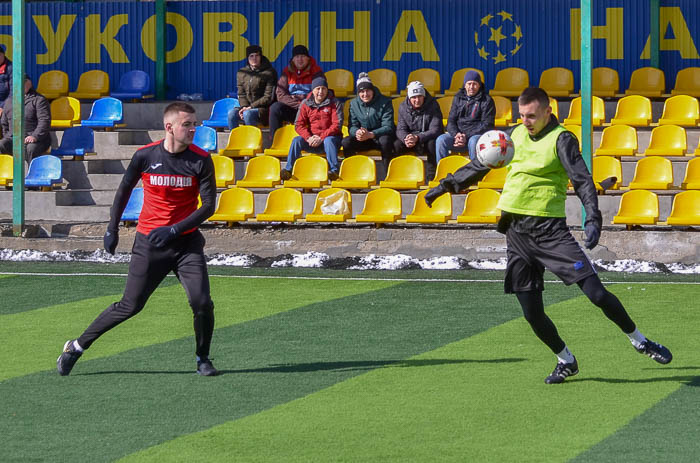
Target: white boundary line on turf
{"x":279,"y":277}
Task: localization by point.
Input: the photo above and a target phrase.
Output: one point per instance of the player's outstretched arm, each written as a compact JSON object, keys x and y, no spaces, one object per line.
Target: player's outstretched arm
{"x":121,"y":198}
{"x":464,"y":177}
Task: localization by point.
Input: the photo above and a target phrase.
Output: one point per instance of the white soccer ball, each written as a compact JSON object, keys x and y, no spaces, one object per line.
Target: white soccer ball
{"x":495,"y":149}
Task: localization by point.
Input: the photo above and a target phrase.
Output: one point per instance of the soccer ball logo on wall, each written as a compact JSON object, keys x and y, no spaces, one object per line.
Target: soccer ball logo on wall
{"x":496,"y":35}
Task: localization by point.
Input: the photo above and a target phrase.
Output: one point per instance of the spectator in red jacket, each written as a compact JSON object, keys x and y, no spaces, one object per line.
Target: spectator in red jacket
{"x":318,"y":124}
{"x":293,"y":86}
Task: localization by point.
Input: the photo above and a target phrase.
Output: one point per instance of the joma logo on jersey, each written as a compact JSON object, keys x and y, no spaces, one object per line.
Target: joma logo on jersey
{"x":170,"y":180}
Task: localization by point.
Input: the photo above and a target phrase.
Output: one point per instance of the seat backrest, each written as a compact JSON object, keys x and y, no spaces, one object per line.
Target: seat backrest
{"x":692,"y":171}
{"x":45,"y":167}
{"x":482,"y":202}
{"x":221,"y":108}
{"x":653,"y":168}
{"x":6,"y":166}
{"x":328,"y":192}
{"x":395,"y":103}
{"x":606,"y":81}
{"x":648,"y":79}
{"x":512,"y":79}
{"x":442,"y":206}
{"x":93,"y":81}
{"x":78,"y":137}
{"x":205,"y":138}
{"x":576,"y":130}
{"x":449,"y":164}
{"x":262,"y":168}
{"x":136,"y":80}
{"x":223,"y":167}
{"x":606,"y":167}
{"x":597,"y":107}
{"x":107,"y":108}
{"x":681,"y":107}
{"x":406,"y":168}
{"x":358,"y":167}
{"x":497,"y":176}
{"x":284,"y":201}
{"x":639,"y":203}
{"x":340,"y":80}
{"x":634,"y":107}
{"x":134,"y":205}
{"x":445,"y":104}
{"x":557,"y":80}
{"x":245,"y":137}
{"x":311,"y":168}
{"x":668,"y":136}
{"x":686,"y":204}
{"x":619,"y":136}
{"x":346,"y":113}
{"x":53,"y":82}
{"x":236,"y":200}
{"x":504,"y":107}
{"x":688,"y":79}
{"x":383,"y":201}
{"x":457,"y":80}
{"x":385,"y":80}
{"x":430,"y":79}
{"x":65,"y":108}
{"x":283,"y":137}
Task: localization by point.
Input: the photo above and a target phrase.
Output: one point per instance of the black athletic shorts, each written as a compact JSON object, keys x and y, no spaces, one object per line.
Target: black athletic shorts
{"x":553,"y":248}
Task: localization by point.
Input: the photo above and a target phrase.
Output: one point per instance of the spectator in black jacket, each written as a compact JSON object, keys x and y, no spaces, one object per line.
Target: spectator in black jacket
{"x":37,"y":121}
{"x":473,"y":113}
{"x":5,"y":77}
{"x":420,"y":123}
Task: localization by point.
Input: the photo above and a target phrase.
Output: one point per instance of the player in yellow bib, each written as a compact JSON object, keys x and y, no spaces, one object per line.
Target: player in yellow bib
{"x":537,"y":236}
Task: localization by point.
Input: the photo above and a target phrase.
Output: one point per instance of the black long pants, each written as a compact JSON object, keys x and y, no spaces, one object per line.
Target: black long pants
{"x":280,"y":113}
{"x":428,"y":149}
{"x":149,"y":266}
{"x":33,"y":150}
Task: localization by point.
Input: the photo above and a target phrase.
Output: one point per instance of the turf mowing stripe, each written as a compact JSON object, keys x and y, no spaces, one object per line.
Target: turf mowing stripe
{"x":143,"y":397}
{"x":479,"y":399}
{"x":32,"y":340}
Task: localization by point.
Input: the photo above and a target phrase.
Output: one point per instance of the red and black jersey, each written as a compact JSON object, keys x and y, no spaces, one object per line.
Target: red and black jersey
{"x":171,"y":184}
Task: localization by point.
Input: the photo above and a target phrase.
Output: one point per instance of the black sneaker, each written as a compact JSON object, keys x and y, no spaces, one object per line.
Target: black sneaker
{"x":205,"y":368}
{"x":332,"y":175}
{"x":561,"y":372}
{"x":65,"y":362}
{"x":285,"y":174}
{"x":656,"y":351}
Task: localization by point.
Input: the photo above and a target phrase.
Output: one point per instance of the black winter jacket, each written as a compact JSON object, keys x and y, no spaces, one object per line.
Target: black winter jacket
{"x":471,"y":115}
{"x":426,"y":121}
{"x":37,"y":116}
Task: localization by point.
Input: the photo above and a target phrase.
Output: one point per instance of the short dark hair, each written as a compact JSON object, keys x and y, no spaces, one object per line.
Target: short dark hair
{"x":177,"y":107}
{"x":532,"y":94}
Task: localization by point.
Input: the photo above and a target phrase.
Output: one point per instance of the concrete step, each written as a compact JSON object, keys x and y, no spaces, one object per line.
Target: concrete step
{"x":84,"y":197}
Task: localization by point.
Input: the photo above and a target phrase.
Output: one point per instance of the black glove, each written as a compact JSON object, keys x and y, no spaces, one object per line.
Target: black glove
{"x":161,"y":236}
{"x":592,"y":231}
{"x":434,"y":194}
{"x":110,"y":240}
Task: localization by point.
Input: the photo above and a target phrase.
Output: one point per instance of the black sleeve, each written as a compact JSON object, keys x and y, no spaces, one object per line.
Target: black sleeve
{"x":576,"y":169}
{"x":207,"y":191}
{"x":43,"y":116}
{"x":465,"y":176}
{"x":121,"y":198}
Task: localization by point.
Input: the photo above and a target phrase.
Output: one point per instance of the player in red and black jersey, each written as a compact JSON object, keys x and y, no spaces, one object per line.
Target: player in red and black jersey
{"x":173,"y":173}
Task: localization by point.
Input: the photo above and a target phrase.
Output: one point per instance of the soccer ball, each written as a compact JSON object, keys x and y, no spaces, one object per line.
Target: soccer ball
{"x":495,"y":149}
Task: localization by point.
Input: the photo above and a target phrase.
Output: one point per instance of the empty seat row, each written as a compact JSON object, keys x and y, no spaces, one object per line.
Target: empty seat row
{"x":95,"y":84}
{"x":653,"y":173}
{"x":621,"y":140}
{"x":641,"y":207}
{"x":105,"y":113}
{"x":45,"y":172}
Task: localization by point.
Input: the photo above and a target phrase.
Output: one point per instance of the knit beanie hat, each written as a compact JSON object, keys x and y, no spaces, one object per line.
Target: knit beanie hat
{"x":472,"y":75}
{"x":300,"y":50}
{"x":319,"y":81}
{"x":415,"y":88}
{"x":363,"y":81}
{"x":250,"y":49}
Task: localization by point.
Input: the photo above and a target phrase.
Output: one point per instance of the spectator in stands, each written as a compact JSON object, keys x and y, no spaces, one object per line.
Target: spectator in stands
{"x":292,"y":87}
{"x":371,"y":121}
{"x":5,"y":77}
{"x":420,"y":123}
{"x":473,"y":113}
{"x":256,"y":90}
{"x":37,"y":121}
{"x":318,"y":124}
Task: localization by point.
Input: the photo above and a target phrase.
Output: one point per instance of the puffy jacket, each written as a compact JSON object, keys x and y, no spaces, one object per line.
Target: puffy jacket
{"x":426,"y":121}
{"x":377,"y":116}
{"x":471,"y":115}
{"x":294,"y":84}
{"x":256,"y":87}
{"x":323,"y":119}
{"x":37,"y":116}
{"x":5,"y":80}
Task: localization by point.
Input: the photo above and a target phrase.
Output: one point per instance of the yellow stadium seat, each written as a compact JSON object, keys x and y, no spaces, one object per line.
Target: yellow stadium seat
{"x":440,"y":212}
{"x":510,"y":82}
{"x":653,"y":173}
{"x":637,"y":207}
{"x":667,"y":140}
{"x":309,"y":172}
{"x":341,"y":82}
{"x":282,"y":205}
{"x":224,"y":171}
{"x":617,"y":140}
{"x":332,"y":205}
{"x":687,"y":82}
{"x":685,"y":209}
{"x":557,"y":82}
{"x":65,"y":112}
{"x":395,"y":103}
{"x":481,"y":206}
{"x":261,"y":172}
{"x":605,"y":167}
{"x":457,"y":82}
{"x":404,"y":173}
{"x":647,"y":81}
{"x":382,"y":205}
{"x":235,"y":205}
{"x":633,"y":110}
{"x":346,"y":114}
{"x":504,"y":111}
{"x":606,"y":82}
{"x":281,"y":141}
{"x":92,"y":85}
{"x":53,"y":84}
{"x":681,"y":110}
{"x":430,"y":79}
{"x":445,"y":104}
{"x":598,"y":109}
{"x":6,"y":170}
{"x":244,"y":140}
{"x":385,"y":80}
{"x":447,"y":165}
{"x":576,"y":130}
{"x":494,"y":179}
{"x":356,"y":172}
{"x":691,"y":181}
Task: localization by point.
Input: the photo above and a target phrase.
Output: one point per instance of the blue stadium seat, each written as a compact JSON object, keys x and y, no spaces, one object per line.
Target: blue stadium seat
{"x":133,"y":85}
{"x":133,"y":207}
{"x":219,"y":113}
{"x":105,"y":113}
{"x":206,"y":138}
{"x":44,"y":171}
{"x":77,"y":142}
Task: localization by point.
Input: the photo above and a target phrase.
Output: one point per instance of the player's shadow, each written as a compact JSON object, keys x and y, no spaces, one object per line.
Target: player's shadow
{"x":688,"y":380}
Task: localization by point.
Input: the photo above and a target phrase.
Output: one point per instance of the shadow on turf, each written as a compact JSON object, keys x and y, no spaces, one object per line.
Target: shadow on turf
{"x":687,"y":380}
{"x":325,"y":366}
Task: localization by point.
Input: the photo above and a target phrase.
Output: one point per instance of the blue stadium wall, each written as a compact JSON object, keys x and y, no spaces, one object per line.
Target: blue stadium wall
{"x":206,"y":40}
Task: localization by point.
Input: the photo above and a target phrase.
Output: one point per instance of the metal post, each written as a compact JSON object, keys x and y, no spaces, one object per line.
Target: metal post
{"x":586,"y":86}
{"x":160,"y":49}
{"x":654,"y":33}
{"x":18,"y":148}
